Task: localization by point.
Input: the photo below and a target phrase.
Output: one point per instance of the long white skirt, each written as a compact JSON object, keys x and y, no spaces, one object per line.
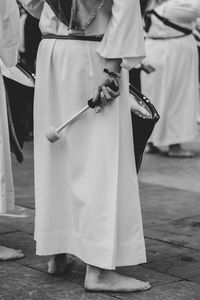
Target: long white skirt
{"x":86,"y":187}
{"x":173,"y":89}
{"x":6,"y":180}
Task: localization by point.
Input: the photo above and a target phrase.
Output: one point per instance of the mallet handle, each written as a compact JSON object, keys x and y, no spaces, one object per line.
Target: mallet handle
{"x":72,"y":118}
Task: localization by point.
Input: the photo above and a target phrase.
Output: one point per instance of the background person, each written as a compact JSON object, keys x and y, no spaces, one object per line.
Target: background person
{"x":173,"y":87}
{"x":9,"y":37}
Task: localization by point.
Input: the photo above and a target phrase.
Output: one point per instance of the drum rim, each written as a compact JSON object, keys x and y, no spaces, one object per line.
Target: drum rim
{"x":145,"y":102}
{"x":26,"y":70}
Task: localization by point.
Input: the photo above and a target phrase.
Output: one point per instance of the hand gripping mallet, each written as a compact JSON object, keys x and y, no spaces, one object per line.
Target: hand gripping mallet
{"x":53,"y":133}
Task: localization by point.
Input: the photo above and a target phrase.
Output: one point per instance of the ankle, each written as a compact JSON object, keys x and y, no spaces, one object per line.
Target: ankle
{"x":175,"y":147}
{"x":60,"y":255}
{"x":96,"y":274}
{"x":94,"y":271}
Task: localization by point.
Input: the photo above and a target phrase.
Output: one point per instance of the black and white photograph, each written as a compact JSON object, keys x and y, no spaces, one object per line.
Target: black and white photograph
{"x":99,"y":149}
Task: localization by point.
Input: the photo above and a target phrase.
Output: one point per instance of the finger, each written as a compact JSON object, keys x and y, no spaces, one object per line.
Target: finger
{"x":98,"y":109}
{"x":112,"y":93}
{"x":103,"y":98}
{"x":96,"y":95}
{"x":106,"y":93}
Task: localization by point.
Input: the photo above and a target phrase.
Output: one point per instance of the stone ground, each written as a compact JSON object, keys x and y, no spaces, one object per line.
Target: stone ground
{"x":170,"y":198}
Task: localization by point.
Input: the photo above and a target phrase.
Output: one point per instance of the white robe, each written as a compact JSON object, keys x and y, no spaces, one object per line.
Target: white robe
{"x":86,"y":186}
{"x":173,"y":87}
{"x":9,"y":38}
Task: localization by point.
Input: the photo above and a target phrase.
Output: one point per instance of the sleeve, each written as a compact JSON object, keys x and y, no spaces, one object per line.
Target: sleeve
{"x":124,"y":37}
{"x":34,"y":7}
{"x":183,"y":10}
{"x":194,"y":8}
{"x":9,"y":31}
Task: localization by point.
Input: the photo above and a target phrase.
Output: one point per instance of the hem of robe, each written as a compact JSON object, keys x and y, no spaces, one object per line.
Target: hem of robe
{"x":6,"y":202}
{"x":181,"y":140}
{"x":101,"y":255}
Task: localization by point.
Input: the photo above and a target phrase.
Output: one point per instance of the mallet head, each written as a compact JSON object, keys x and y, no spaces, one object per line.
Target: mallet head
{"x":52,"y":135}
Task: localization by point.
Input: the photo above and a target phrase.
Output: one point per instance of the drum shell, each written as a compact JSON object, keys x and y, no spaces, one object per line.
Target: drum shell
{"x":20,"y":99}
{"x":142,"y":130}
{"x":142,"y":126}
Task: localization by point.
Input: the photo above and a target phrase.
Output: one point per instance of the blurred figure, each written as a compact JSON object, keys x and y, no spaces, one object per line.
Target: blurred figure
{"x":8,"y":53}
{"x":22,"y":107}
{"x":9,"y":37}
{"x":173,"y":87}
{"x":31,"y":29}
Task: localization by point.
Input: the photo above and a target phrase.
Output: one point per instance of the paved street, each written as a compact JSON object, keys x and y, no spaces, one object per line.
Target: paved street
{"x":170,"y":198}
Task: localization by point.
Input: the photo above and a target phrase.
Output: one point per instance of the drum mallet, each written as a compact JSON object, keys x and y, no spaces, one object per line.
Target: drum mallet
{"x":53,"y":133}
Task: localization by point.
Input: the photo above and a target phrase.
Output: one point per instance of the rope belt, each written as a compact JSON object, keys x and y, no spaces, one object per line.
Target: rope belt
{"x":78,"y":37}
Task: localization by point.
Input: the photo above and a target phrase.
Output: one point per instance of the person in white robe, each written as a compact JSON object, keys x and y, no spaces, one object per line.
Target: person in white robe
{"x":86,"y":186}
{"x":173,"y":87}
{"x":9,"y":40}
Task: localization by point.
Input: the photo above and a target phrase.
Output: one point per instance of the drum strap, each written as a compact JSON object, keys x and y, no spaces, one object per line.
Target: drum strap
{"x":165,"y":38}
{"x":167,"y":22}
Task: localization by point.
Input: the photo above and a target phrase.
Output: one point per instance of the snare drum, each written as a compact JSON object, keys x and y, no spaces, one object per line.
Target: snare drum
{"x":20,"y":73}
{"x":19,"y":83}
{"x":144,"y":117}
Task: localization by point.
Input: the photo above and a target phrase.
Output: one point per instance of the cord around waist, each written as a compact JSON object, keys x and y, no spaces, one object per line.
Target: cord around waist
{"x":91,"y":38}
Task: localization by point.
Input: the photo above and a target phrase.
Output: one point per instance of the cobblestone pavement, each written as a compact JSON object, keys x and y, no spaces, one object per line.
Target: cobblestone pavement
{"x":170,"y":197}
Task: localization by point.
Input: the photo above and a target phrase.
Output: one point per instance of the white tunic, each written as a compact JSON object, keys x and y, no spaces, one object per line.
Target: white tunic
{"x":86,"y":187}
{"x":173,"y":87}
{"x":9,"y":37}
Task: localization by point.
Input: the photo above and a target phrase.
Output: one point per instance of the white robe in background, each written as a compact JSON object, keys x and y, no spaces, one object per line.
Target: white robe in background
{"x":173,"y":87}
{"x":86,"y":186}
{"x":9,"y":38}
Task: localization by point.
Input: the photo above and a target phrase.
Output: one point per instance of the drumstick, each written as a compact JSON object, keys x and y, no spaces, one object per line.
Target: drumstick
{"x":53,"y":133}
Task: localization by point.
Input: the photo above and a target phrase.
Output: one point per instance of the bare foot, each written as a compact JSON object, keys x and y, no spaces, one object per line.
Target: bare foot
{"x":58,"y":263}
{"x":151,"y":149}
{"x":100,"y":280}
{"x":176,"y":151}
{"x":10,"y":254}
